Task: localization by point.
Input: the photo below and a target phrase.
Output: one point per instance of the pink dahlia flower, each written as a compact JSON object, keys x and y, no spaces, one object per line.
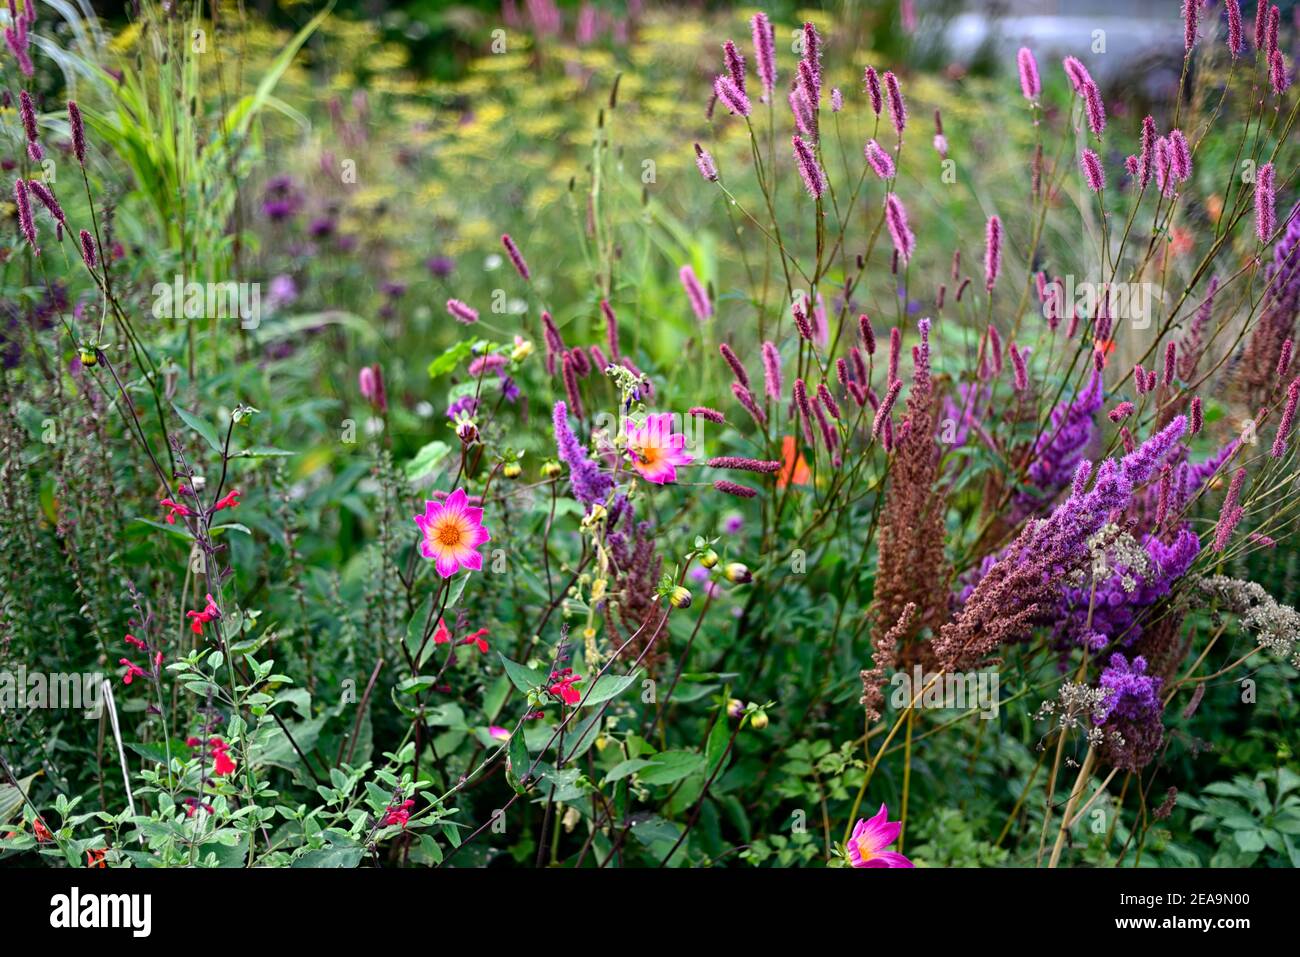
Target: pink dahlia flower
{"x":452,"y":532}
{"x":870,"y":838}
{"x":656,"y":449}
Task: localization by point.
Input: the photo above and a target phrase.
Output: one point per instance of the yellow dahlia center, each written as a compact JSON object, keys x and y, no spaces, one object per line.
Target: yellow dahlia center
{"x":649,"y":454}
{"x":865,"y":850}
{"x":448,"y":534}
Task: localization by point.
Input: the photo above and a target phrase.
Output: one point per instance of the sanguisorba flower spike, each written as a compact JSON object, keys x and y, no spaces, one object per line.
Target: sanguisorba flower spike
{"x":78,"y":132}
{"x":1093,"y":174}
{"x":992,"y":252}
{"x":451,"y":533}
{"x":516,"y":257}
{"x":25,"y":224}
{"x":899,"y":231}
{"x":1030,"y":85}
{"x":764,"y":53}
{"x":1265,"y":204}
{"x":812,"y":175}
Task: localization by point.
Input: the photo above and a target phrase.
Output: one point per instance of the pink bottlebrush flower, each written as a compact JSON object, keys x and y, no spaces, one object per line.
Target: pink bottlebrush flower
{"x":800,"y":393}
{"x":731,"y":488}
{"x":746,"y":400}
{"x":837,"y":100}
{"x":1171,"y":363}
{"x":1131,"y":165}
{"x":709,"y":415}
{"x":28,"y":114}
{"x":25,"y":223}
{"x":897,"y":108}
{"x":656,"y":450}
{"x":867,"y":333}
{"x":1231,"y":513}
{"x":735,"y":64}
{"x":731,"y":96}
{"x":1162,"y":499}
{"x":1019,"y":370}
{"x":516,"y":257}
{"x":1265,"y":204}
{"x":611,"y":330}
{"x":1151,"y":380}
{"x":805,"y":118}
{"x":78,"y":132}
{"x":882,"y":164}
{"x":1191,"y":12}
{"x":88,"y":249}
{"x":1164,"y":167}
{"x":1277,"y":74}
{"x":1263,"y":541}
{"x":1093,"y":174}
{"x":812,"y":50}
{"x":1198,"y":416}
{"x":772,"y":371}
{"x":737,"y":367}
{"x":1180,"y":155}
{"x":995,"y":349}
{"x":842,"y":375}
{"x":47,"y":200}
{"x":1126,"y":438}
{"x":1140,"y":379}
{"x":1147,"y":157}
{"x":813,"y":178}
{"x":895,"y":349}
{"x":872,"y":81}
{"x":1095,"y":108}
{"x":899,"y":232}
{"x":764,"y":53}
{"x":802,"y":324}
{"x":992,"y":252}
{"x":1121,"y":412}
{"x":1274,"y":22}
{"x":1236,"y":43}
{"x":886,"y":406}
{"x":554,"y":343}
{"x":1284,"y":357}
{"x":828,"y":401}
{"x":451,"y":533}
{"x":1288,"y":419}
{"x":461,"y":312}
{"x":1261,"y":24}
{"x":569,"y":375}
{"x":705,"y":163}
{"x":830,"y":438}
{"x":744,"y":464}
{"x":1030,"y":85}
{"x":866,"y":847}
{"x":1078,"y":74}
{"x":695,"y":293}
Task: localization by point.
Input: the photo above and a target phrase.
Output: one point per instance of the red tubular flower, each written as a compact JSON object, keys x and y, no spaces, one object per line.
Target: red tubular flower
{"x":221,"y":763}
{"x":228,"y":501}
{"x":134,"y":642}
{"x":173,"y":509}
{"x":397,"y":814}
{"x":131,"y":671}
{"x":477,"y":638}
{"x":562,"y":686}
{"x":200,"y":618}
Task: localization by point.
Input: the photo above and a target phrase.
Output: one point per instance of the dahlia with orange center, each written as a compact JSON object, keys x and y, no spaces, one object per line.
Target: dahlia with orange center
{"x":452,"y":532}
{"x":656,"y":450}
{"x":870,"y":838}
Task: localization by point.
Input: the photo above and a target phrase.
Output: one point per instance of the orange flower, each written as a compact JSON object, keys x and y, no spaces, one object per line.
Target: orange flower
{"x":793,"y":467}
{"x":95,"y":858}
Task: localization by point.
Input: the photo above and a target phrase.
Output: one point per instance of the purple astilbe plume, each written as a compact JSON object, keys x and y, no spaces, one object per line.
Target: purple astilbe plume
{"x":1191,"y":13}
{"x":695,"y":294}
{"x":78,"y":131}
{"x":1236,"y":42}
{"x":772,"y":372}
{"x":590,"y":485}
{"x":516,"y":257}
{"x":731,"y":488}
{"x":25,"y":224}
{"x":1093,"y":174}
{"x":705,"y":163}
{"x":735,"y":64}
{"x":731,"y":96}
{"x":1060,"y":446}
{"x":872,"y":81}
{"x":28,"y":114}
{"x":1079,"y":76}
{"x":1130,"y":712}
{"x":813,"y":178}
{"x":737,"y":463}
{"x":992,"y":252}
{"x":737,"y":367}
{"x":88,"y":249}
{"x":764,"y":53}
{"x":882,"y":164}
{"x":1265,"y":203}
{"x":1147,"y":158}
{"x":48,"y":201}
{"x":462,"y":312}
{"x":1030,"y":85}
{"x":897,"y":108}
{"x":899,"y":232}
{"x":1285,"y":423}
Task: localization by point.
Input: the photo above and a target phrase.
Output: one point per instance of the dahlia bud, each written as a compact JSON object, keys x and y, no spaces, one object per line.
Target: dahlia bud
{"x":512,"y":470}
{"x":708,"y":558}
{"x":738,"y":573}
{"x":680,"y":597}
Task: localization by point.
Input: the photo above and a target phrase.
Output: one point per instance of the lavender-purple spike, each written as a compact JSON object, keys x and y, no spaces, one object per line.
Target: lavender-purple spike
{"x":899,"y":232}
{"x":695,"y":294}
{"x":705,"y":163}
{"x":764,"y":53}
{"x":731,"y":96}
{"x":897,"y":108}
{"x":882,"y":164}
{"x":813,"y":178}
{"x":78,"y":132}
{"x":1236,"y":43}
{"x":735,"y":64}
{"x":1030,"y":85}
{"x":872,"y":81}
{"x":1093,"y":174}
{"x":88,"y":249}
{"x":1265,"y":204}
{"x":590,"y":485}
{"x":516,"y":257}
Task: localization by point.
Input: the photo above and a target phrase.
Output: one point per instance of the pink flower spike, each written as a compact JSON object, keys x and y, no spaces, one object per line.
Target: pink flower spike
{"x":699,"y":299}
{"x":656,"y":450}
{"x":516,"y":257}
{"x":866,"y":847}
{"x":451,"y":533}
{"x":461,"y":312}
{"x":1093,"y":174}
{"x":813,"y":178}
{"x":882,"y":164}
{"x":1265,"y":204}
{"x":1030,"y":85}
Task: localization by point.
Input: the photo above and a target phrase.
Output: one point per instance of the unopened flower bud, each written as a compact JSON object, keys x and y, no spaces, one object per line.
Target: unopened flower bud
{"x":88,"y":357}
{"x":522,"y":350}
{"x":708,"y":558}
{"x":738,"y":573}
{"x":680,"y":597}
{"x":512,"y":470}
{"x":759,"y":720}
{"x":467,"y":431}
{"x":735,"y":708}
{"x":551,"y":469}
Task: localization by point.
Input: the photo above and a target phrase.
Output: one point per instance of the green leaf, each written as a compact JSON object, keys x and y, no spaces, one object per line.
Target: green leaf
{"x":450,"y":359}
{"x":522,"y":677}
{"x":426,"y":460}
{"x":609,"y":686}
{"x":201,"y":426}
{"x":671,"y":766}
{"x":621,"y":770}
{"x":1249,"y":841}
{"x":331,"y":857}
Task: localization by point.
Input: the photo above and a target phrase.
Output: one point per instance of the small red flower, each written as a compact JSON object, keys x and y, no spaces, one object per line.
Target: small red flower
{"x":228,"y":501}
{"x":43,"y":834}
{"x":131,"y":671}
{"x":201,"y":618}
{"x":221,"y":763}
{"x":442,"y":635}
{"x":173,"y":509}
{"x":478,"y":638}
{"x":562,"y":686}
{"x":95,"y":858}
{"x":134,"y":642}
{"x":398,"y":813}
